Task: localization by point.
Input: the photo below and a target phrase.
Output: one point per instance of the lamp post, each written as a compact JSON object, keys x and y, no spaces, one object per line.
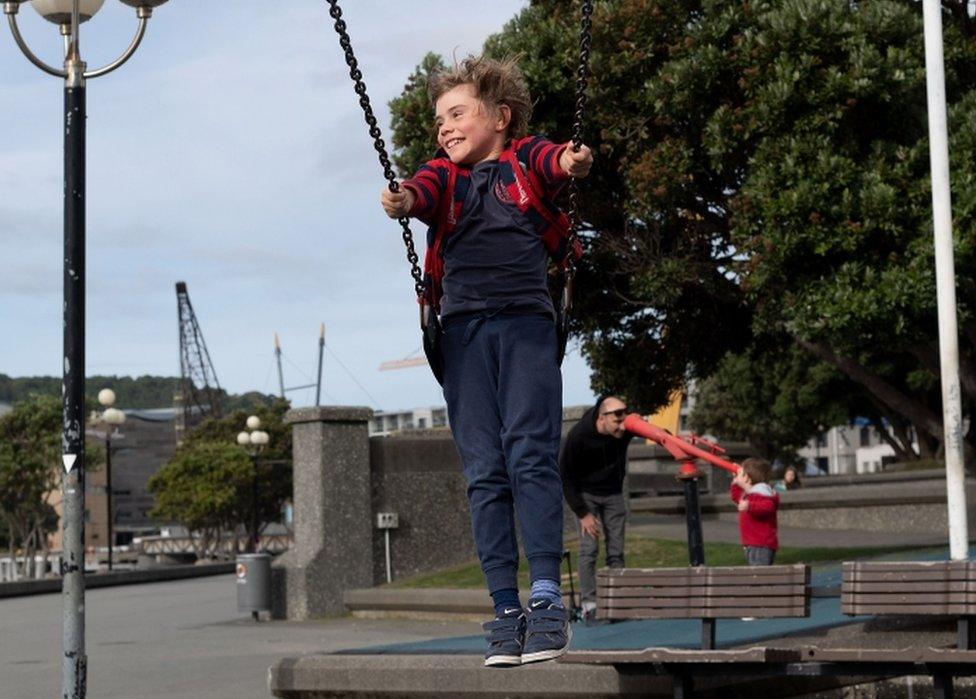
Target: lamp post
{"x":69,"y":15}
{"x":113,"y":418}
{"x":254,"y":440}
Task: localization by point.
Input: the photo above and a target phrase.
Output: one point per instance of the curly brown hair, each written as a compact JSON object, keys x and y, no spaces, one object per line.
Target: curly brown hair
{"x":495,"y":83}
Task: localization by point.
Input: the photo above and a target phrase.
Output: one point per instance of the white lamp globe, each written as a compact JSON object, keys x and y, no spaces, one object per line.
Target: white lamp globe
{"x":59,"y":11}
{"x":243,"y":438}
{"x":106,"y":397}
{"x":143,"y":3}
{"x":259,"y":437}
{"x":113,"y":416}
{"x":253,"y":422}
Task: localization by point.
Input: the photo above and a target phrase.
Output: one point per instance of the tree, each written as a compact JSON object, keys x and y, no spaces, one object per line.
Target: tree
{"x":203,"y":488}
{"x":30,"y":473}
{"x":761,"y":173}
{"x":772,"y":397}
{"x":207,"y":486}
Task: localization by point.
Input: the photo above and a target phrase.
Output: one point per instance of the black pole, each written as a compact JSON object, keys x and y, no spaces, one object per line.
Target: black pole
{"x":696,"y":544}
{"x":74,"y":662}
{"x":689,"y":477}
{"x":108,"y":488}
{"x":255,"y":541}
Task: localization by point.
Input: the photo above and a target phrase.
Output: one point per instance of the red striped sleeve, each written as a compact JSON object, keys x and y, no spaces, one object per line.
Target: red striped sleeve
{"x":427,"y":184}
{"x":541,"y":156}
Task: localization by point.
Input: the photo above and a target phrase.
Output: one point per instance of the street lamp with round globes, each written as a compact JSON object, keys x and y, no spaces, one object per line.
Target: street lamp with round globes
{"x":69,"y":15}
{"x":254,"y":440}
{"x":112,"y":418}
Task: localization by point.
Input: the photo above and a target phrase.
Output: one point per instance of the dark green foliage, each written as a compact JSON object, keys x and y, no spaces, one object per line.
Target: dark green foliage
{"x":142,"y":392}
{"x":207,"y":485}
{"x":773,"y":397}
{"x":761,"y":176}
{"x":30,"y":471}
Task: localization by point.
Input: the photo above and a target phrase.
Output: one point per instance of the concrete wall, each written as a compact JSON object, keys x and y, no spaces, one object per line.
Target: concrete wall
{"x":419,"y":478}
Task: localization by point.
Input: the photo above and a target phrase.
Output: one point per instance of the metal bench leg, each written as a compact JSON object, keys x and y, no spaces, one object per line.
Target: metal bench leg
{"x":942,"y":684}
{"x":965,"y":628}
{"x":708,"y":634}
{"x":684,"y":686}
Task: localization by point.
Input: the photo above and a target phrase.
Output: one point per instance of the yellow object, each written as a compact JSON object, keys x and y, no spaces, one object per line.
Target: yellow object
{"x":668,"y":417}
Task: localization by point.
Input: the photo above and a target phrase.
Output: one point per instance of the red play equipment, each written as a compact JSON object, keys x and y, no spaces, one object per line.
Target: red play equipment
{"x":684,"y":450}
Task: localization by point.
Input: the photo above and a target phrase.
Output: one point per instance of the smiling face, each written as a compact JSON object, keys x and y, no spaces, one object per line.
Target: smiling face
{"x":467,"y":129}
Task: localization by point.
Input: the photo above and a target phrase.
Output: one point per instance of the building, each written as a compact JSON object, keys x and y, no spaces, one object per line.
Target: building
{"x":845,"y":449}
{"x":140,"y":447}
{"x":386,"y":423}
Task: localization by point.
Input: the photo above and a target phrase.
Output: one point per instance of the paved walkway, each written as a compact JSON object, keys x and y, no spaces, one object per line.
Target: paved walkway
{"x":178,"y":640}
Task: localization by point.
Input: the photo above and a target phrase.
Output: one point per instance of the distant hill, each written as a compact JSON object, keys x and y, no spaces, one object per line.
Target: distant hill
{"x":140,"y":392}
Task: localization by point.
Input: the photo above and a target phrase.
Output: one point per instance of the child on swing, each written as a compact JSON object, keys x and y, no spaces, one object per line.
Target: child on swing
{"x":487,"y":197}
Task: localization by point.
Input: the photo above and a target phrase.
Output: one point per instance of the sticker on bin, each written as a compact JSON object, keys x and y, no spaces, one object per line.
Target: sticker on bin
{"x":241,"y":572}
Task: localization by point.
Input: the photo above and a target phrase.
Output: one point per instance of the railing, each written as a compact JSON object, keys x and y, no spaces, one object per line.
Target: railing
{"x":13,"y":568}
{"x":229,"y":544}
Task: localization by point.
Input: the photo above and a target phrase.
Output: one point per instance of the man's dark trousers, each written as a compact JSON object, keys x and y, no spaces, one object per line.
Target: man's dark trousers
{"x":611,"y":510}
{"x":504,"y":400}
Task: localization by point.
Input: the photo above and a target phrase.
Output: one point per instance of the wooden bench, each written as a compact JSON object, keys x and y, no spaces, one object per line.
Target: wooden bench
{"x":940,"y":588}
{"x":703,"y":592}
{"x":932,"y":588}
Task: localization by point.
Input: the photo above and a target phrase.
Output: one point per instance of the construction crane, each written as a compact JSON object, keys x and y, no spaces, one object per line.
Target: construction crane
{"x":199,"y":392}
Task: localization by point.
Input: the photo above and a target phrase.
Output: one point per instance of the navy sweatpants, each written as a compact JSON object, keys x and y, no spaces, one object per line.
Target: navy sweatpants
{"x":504,"y":399}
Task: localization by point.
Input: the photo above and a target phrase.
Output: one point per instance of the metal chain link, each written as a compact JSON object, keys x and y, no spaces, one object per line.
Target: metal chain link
{"x":374,"y":131}
{"x":577,"y":136}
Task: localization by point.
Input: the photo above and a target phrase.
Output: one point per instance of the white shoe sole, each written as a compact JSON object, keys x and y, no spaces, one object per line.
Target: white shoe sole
{"x":503,"y":660}
{"x":549,"y":654}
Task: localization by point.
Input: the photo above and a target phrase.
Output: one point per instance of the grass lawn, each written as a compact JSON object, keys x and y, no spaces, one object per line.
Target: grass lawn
{"x":645,"y":552}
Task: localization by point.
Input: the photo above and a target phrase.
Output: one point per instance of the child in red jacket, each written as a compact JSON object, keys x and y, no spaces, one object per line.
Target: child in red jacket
{"x":757,"y":503}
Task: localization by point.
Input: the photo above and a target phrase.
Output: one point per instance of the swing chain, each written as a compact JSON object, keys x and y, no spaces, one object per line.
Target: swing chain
{"x":374,"y":130}
{"x":577,"y":135}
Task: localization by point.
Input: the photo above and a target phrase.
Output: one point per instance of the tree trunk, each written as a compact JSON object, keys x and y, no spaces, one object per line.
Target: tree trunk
{"x":919,"y":415}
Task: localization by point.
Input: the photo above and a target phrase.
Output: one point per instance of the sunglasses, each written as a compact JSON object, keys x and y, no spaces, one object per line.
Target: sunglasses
{"x":619,"y":414}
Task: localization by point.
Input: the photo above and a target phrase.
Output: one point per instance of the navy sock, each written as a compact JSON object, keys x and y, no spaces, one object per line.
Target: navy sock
{"x":546,"y":589}
{"x":506,"y":599}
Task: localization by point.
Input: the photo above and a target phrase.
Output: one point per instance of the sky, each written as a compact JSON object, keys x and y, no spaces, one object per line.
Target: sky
{"x":230,"y":153}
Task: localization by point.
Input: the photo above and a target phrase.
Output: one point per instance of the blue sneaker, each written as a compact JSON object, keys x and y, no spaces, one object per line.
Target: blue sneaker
{"x":547,"y":631}
{"x":505,"y":635}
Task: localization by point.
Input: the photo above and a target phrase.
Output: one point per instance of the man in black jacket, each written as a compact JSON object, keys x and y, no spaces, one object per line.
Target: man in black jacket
{"x":593,"y":462}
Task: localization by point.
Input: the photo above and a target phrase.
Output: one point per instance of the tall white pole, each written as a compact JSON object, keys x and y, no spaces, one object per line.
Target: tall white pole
{"x":945,"y":281}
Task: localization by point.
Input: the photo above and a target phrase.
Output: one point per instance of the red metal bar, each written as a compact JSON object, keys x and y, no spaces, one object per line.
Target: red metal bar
{"x":680,"y":449}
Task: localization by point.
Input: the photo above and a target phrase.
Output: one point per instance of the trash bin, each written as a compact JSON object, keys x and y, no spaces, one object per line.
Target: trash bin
{"x":254,"y":583}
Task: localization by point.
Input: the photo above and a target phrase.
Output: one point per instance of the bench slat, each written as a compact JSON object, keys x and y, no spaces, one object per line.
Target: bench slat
{"x":908,"y":565}
{"x":902,"y":609}
{"x":907,"y":576}
{"x":674,"y":581}
{"x":710,"y":602}
{"x":909,"y":598}
{"x":699,"y":590}
{"x":800,"y":610}
{"x":911,"y":586}
{"x":712,"y":570}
